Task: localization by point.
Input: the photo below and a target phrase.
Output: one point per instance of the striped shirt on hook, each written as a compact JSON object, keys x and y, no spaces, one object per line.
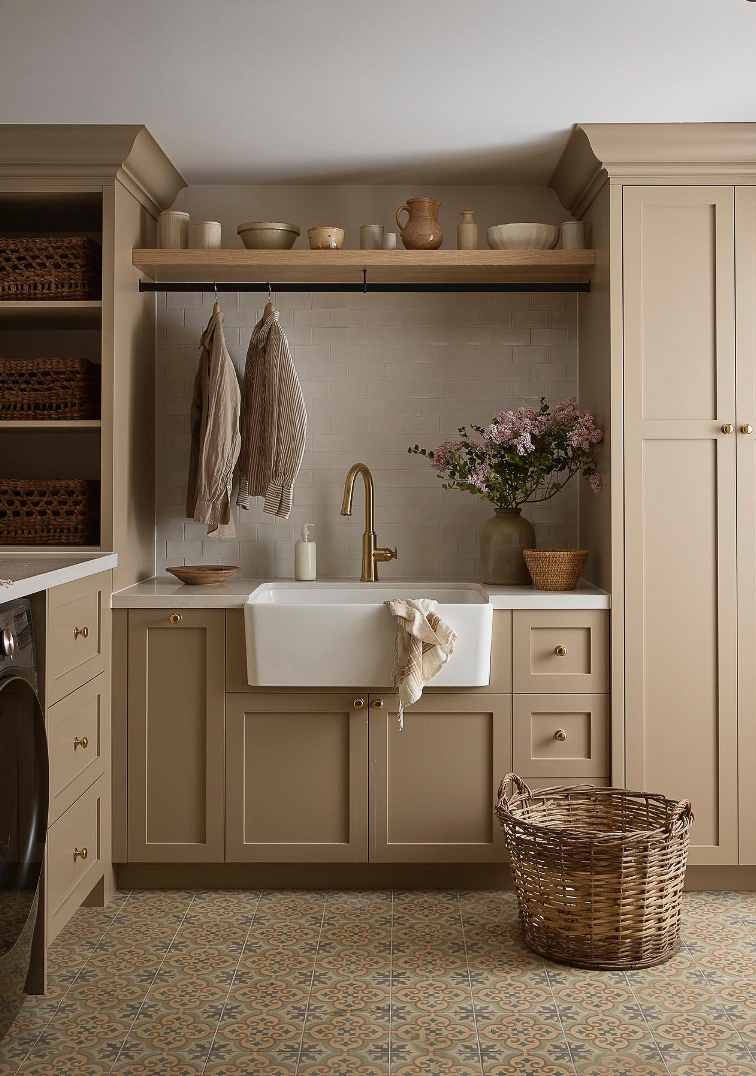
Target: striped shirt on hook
{"x":273,"y":421}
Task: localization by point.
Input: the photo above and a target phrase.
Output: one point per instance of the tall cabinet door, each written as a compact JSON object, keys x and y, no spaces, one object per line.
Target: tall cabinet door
{"x":745,"y":275}
{"x":176,"y":717}
{"x":680,"y":516}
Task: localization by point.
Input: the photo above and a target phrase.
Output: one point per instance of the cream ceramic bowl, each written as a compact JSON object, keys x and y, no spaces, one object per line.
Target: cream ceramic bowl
{"x":325,"y":238}
{"x":268,"y":235}
{"x":522,"y":237}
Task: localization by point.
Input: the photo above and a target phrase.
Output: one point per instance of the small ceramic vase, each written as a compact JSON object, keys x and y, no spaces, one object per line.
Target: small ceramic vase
{"x":467,"y":231}
{"x":422,"y":230}
{"x":502,"y":540}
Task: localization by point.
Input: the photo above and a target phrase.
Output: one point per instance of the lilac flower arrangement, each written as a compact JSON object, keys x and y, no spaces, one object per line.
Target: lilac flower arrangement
{"x":523,"y":457}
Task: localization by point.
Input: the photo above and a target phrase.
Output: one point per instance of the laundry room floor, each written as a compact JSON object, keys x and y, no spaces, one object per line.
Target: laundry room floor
{"x":433,"y":983}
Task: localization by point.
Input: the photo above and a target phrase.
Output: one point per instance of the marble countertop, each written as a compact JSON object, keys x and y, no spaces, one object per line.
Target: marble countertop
{"x":31,"y":572}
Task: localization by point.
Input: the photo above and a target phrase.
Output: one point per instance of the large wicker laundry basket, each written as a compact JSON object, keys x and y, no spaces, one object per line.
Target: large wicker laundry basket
{"x":598,"y":872}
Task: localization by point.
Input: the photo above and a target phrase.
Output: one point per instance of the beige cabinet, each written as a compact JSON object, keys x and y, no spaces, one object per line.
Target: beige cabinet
{"x":78,"y":736}
{"x":296,"y":777}
{"x":78,"y":634}
{"x":681,"y":441}
{"x":560,"y":650}
{"x":176,"y":701}
{"x":560,"y":736}
{"x":433,"y":783}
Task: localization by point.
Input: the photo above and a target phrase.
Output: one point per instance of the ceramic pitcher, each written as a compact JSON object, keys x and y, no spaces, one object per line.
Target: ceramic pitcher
{"x":422,"y":230}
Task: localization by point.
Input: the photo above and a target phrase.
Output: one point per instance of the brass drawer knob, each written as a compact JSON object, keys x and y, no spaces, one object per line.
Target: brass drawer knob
{"x":358,"y":704}
{"x":175,"y":618}
{"x":728,"y":428}
{"x":80,"y":741}
{"x":560,"y":735}
{"x":746,"y":428}
{"x":80,"y":853}
{"x":83,"y":632}
{"x":377,"y":704}
{"x":560,"y":651}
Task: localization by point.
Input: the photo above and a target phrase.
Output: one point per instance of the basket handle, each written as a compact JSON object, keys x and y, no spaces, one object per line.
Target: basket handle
{"x":683,"y":809}
{"x":520,"y":785}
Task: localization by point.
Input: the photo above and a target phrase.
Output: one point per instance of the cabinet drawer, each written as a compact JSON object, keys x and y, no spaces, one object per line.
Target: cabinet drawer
{"x":78,"y":634}
{"x":70,"y":877}
{"x":78,"y":734}
{"x":560,"y":650}
{"x":561,"y":735}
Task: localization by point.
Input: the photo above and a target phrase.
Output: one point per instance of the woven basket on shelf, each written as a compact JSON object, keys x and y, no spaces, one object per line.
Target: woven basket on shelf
{"x":598,"y":872}
{"x":555,"y":569}
{"x":50,"y":268}
{"x":62,"y":511}
{"x":33,"y":389}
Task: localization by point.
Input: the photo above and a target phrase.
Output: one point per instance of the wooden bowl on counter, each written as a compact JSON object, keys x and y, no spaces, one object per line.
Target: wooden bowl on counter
{"x":203,"y":575}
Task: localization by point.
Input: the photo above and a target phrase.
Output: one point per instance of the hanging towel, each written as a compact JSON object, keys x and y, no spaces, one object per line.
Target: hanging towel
{"x":424,"y":643}
{"x":215,"y":439}
{"x":274,"y":421}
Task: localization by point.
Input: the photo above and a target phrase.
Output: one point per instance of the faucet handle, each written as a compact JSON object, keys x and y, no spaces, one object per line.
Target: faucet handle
{"x":385,"y":554}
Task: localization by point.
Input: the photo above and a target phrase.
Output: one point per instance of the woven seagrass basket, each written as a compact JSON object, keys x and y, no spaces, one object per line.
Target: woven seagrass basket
{"x":34,"y":389}
{"x":56,"y":268}
{"x":62,"y":511}
{"x":598,"y":872}
{"x":555,"y":569}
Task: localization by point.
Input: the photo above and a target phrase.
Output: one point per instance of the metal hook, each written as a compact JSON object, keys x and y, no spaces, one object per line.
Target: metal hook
{"x":364,"y":281}
{"x":270,"y":294}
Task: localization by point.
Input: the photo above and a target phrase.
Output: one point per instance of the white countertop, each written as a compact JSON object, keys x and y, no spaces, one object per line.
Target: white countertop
{"x":165,"y":592}
{"x":32,"y":572}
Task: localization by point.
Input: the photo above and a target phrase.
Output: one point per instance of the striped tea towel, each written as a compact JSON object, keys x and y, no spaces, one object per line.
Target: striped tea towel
{"x":424,"y":643}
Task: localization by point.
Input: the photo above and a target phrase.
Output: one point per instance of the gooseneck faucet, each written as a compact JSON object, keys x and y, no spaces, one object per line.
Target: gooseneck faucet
{"x":371,"y":553}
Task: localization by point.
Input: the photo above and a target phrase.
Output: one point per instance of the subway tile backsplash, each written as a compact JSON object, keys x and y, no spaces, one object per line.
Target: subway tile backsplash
{"x":378,"y":373}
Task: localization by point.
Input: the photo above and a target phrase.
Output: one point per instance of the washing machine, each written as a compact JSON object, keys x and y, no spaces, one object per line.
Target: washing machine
{"x":24,"y":788}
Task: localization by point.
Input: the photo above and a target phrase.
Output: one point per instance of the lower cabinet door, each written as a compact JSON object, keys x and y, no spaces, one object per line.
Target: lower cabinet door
{"x":433,"y":783}
{"x":561,"y":736}
{"x":296,"y":778}
{"x":74,"y":858}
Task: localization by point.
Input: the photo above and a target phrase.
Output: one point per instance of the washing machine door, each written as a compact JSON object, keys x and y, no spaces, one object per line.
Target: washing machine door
{"x":23,"y":828}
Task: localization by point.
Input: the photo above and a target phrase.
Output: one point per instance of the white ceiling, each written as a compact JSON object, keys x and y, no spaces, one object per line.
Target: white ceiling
{"x":374,"y":90}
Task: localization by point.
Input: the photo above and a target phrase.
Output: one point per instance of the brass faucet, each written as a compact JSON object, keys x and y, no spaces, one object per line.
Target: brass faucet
{"x":370,"y":553}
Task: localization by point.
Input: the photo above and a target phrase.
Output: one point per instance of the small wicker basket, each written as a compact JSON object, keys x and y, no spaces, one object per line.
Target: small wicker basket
{"x":61,"y":511}
{"x":598,"y":872}
{"x":555,"y":569}
{"x":34,"y":389}
{"x":67,"y":267}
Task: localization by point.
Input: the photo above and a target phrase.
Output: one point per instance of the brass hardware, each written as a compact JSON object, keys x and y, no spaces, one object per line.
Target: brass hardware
{"x":746,"y":428}
{"x":728,"y":428}
{"x":83,"y":632}
{"x":175,"y":618}
{"x":80,"y":853}
{"x":560,"y":735}
{"x":371,"y":554}
{"x":377,"y":704}
{"x":358,"y":704}
{"x":560,"y":651}
{"x":80,"y":741}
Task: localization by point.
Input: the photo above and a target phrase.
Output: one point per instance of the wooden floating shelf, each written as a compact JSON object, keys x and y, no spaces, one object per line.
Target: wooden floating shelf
{"x":51,"y":424}
{"x":383,"y":266}
{"x":52,"y":314}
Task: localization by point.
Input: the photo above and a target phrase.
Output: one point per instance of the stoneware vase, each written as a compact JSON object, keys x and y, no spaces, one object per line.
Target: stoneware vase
{"x":421,"y":230}
{"x":467,"y":231}
{"x":502,"y":540}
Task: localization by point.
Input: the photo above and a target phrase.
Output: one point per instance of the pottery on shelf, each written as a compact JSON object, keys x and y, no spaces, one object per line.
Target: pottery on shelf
{"x":268,"y":235}
{"x":522,"y":237}
{"x":503,"y":538}
{"x":467,"y":231}
{"x":203,"y":575}
{"x":421,"y":230}
{"x":325,"y":238}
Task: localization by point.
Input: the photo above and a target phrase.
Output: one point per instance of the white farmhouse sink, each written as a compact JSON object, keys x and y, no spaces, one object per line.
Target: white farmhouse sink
{"x":341,"y":634}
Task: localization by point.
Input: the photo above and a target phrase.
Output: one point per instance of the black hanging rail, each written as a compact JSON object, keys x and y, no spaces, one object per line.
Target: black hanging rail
{"x":349,"y":286}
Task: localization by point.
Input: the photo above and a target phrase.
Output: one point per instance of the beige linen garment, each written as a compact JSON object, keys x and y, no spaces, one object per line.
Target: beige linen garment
{"x":424,"y":643}
{"x":215,"y":438}
{"x":274,"y":421}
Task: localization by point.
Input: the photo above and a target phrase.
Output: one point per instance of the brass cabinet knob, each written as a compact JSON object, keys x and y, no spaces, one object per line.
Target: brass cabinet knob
{"x":358,"y":704}
{"x":83,"y":632}
{"x":377,"y":704}
{"x":728,"y":428}
{"x":175,"y":618}
{"x":560,"y":735}
{"x":80,"y":741}
{"x":80,"y":853}
{"x":746,"y":428}
{"x":560,"y":651}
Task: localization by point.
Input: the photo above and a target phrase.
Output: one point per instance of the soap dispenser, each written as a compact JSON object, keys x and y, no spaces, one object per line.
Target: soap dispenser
{"x":304,"y":555}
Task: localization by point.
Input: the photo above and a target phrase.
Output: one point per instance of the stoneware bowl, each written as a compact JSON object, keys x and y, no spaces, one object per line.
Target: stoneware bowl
{"x":268,"y":235}
{"x":203,"y":575}
{"x":523,"y":237}
{"x":325,"y":238}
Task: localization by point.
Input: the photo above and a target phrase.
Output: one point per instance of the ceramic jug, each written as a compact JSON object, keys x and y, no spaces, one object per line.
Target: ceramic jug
{"x":422,"y":230}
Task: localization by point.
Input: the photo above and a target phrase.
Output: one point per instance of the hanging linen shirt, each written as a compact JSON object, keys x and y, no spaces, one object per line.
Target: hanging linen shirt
{"x":215,"y":438}
{"x":274,"y":421}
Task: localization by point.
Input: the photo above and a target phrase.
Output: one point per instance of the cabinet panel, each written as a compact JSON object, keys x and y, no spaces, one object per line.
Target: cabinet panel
{"x":561,"y":735}
{"x":433,"y":783}
{"x":680,"y":507}
{"x":75,"y":851}
{"x":176,"y":718}
{"x":296,"y":772}
{"x":78,"y":634}
{"x":560,"y":650}
{"x":78,"y":734}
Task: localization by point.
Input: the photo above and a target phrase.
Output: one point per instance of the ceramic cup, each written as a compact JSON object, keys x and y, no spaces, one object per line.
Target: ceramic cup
{"x":573,"y":235}
{"x":389,"y":241}
{"x":208,"y":235}
{"x":371,"y":236}
{"x":173,"y":230}
{"x":325,"y":238}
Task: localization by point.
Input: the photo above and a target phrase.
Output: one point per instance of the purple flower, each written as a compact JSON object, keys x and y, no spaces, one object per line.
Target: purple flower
{"x":442,"y":455}
{"x":479,"y":476}
{"x":594,"y":481}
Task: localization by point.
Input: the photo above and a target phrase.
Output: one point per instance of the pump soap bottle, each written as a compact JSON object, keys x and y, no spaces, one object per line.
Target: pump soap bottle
{"x":304,"y":555}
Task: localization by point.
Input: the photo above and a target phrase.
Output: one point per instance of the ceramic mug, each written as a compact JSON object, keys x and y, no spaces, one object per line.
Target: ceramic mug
{"x":573,"y":235}
{"x":371,"y":236}
{"x":389,"y":241}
